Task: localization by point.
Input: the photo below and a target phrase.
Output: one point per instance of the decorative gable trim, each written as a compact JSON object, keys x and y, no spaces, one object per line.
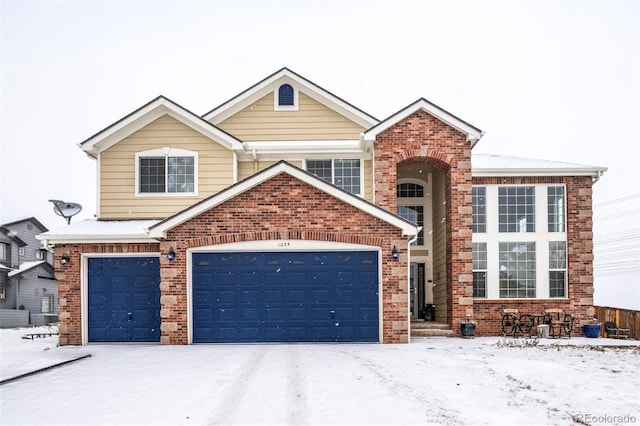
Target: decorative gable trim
{"x":147,"y":114}
{"x":272,"y":83}
{"x":160,"y":229}
{"x":473,"y":133}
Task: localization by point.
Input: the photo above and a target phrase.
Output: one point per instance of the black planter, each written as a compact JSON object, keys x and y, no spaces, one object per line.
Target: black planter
{"x":467,"y":329}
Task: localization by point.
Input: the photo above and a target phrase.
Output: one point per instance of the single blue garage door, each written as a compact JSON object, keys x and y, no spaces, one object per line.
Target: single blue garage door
{"x":285,"y":297}
{"x":124,"y":299}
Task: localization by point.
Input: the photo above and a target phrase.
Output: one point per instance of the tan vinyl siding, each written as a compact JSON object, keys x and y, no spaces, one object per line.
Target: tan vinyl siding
{"x":312,"y":121}
{"x":368,"y":180}
{"x":439,"y":246}
{"x":117,"y":171}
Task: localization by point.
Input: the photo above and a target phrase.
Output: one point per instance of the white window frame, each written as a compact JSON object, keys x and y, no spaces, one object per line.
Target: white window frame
{"x":423,"y":201}
{"x":276,"y":98}
{"x":333,"y":174}
{"x":541,"y":237}
{"x":166,"y":152}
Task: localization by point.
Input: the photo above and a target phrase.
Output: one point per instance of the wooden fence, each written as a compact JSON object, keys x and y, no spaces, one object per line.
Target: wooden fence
{"x":624,"y":318}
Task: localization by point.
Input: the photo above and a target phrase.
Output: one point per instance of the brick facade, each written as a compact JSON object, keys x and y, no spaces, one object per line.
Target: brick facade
{"x":285,"y":208}
{"x":579,"y":258}
{"x":422,"y":137}
{"x":280,"y":208}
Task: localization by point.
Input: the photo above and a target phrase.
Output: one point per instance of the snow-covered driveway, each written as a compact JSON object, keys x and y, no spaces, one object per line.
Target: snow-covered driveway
{"x":430,"y":381}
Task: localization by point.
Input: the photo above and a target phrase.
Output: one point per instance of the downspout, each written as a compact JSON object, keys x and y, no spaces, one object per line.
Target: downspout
{"x":255,"y":161}
{"x":595,"y":180}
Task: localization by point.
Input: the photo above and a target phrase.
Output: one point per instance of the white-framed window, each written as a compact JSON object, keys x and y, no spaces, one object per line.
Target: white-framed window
{"x":344,"y":173}
{"x":167,"y":171}
{"x":520,"y":231}
{"x":411,"y":205}
{"x":557,"y":269}
{"x":39,"y":254}
{"x":4,"y":251}
{"x":479,"y":270}
{"x":21,"y":251}
{"x":285,"y":98}
{"x":556,"y":208}
{"x":479,"y":209}
{"x":517,"y":270}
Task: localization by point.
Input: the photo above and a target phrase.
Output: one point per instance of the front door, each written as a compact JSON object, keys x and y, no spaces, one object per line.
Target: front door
{"x":417,"y":290}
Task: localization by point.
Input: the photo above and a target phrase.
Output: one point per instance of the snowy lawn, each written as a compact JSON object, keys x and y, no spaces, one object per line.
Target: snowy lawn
{"x":442,"y":381}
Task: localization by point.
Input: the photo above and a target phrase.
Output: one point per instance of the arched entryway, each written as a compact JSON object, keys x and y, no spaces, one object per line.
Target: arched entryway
{"x":422,"y":198}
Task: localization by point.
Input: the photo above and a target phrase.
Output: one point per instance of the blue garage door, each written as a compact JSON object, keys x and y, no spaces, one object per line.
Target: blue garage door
{"x":285,"y":297}
{"x":124,"y":299}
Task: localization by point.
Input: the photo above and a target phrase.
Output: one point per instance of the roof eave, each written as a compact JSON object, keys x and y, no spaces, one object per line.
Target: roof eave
{"x":145,"y":115}
{"x":160,"y":229}
{"x":592,"y":172}
{"x":265,"y":86}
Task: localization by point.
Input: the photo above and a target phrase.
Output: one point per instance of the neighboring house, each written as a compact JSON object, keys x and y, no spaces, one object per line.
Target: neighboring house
{"x":28,"y":289}
{"x":288,"y":214}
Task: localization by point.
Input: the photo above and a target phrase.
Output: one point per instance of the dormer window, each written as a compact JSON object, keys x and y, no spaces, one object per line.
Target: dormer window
{"x":286,"y":98}
{"x":168,"y":171}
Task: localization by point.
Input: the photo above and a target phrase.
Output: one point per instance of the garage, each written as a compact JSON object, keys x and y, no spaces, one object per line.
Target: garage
{"x":124,"y":299}
{"x":285,"y":297}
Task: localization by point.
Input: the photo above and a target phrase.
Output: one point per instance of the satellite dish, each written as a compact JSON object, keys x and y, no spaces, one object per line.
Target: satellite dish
{"x":66,"y":210}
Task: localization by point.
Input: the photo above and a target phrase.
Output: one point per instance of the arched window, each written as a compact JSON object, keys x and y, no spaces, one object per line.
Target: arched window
{"x":285,"y":95}
{"x":411,"y":205}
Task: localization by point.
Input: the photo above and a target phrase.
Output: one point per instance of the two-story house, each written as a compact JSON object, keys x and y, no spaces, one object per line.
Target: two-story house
{"x":28,"y":289}
{"x":288,"y":214}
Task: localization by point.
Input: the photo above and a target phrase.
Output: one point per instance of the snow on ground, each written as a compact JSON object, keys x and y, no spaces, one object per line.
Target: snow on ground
{"x":440,"y":381}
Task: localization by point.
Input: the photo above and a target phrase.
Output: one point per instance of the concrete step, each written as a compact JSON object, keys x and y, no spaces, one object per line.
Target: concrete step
{"x":431,"y":333}
{"x":430,"y":329}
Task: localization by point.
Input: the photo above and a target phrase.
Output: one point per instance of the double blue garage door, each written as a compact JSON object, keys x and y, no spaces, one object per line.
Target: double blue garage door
{"x":285,"y":297}
{"x":242,"y":297}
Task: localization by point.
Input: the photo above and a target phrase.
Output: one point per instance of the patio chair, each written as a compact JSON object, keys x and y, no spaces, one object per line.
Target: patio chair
{"x":614,"y":332}
{"x":514,"y":324}
{"x":559,"y":322}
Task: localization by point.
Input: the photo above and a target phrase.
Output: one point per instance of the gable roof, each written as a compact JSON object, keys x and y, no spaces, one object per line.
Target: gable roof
{"x":160,"y":229}
{"x":285,"y":75}
{"x":12,"y":236}
{"x":473,"y":133}
{"x":27,"y":266}
{"x":148,"y":113}
{"x":31,"y":219}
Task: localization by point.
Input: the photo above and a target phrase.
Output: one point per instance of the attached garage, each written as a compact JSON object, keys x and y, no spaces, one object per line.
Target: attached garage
{"x":123,"y":299}
{"x":315,"y":296}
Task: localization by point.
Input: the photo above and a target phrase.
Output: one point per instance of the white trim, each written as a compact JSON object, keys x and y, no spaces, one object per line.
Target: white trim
{"x":473,"y":134}
{"x":165,"y":153}
{"x":159,"y":230}
{"x":300,"y":149}
{"x":333,"y":173}
{"x":283,"y":245}
{"x":541,"y":237}
{"x":146,"y":115}
{"x":84,"y":286}
{"x":263,"y":88}
{"x":276,"y":97}
{"x":280,"y":246}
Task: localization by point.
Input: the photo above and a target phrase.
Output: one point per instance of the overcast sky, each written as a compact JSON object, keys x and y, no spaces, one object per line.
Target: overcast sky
{"x":555,"y":80}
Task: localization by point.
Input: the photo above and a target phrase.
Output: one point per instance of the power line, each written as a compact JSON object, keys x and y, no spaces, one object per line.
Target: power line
{"x":616,"y":201}
{"x":617,"y":215}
